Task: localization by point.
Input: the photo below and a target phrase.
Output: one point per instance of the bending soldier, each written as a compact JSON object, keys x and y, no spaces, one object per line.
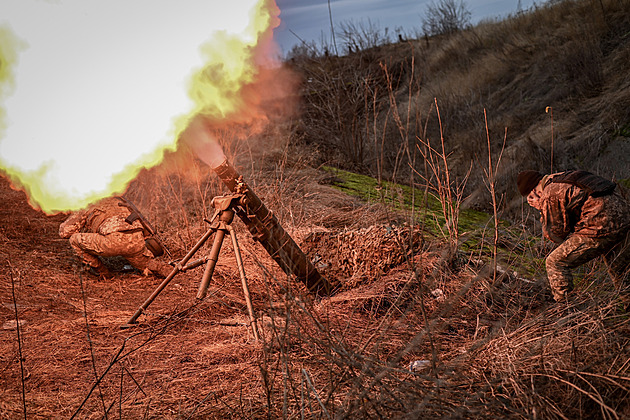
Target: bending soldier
{"x":588,"y":216}
{"x":105,"y":229}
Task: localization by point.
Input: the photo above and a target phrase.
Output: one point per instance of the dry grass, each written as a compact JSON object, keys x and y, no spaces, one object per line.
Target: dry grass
{"x":567,"y":55}
{"x":495,"y":346}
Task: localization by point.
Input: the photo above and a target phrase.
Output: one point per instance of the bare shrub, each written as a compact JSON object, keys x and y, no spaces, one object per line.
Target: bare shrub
{"x":336,"y":97}
{"x":304,"y":51}
{"x":362,"y":35}
{"x":446,"y":17}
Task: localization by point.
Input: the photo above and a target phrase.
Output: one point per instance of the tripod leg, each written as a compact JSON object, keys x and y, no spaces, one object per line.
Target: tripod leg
{"x":212,"y":262}
{"x":168,"y":278}
{"x":150,"y":299}
{"x":241,"y":269}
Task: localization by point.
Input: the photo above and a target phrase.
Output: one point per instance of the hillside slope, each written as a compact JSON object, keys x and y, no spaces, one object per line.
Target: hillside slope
{"x":546,"y":89}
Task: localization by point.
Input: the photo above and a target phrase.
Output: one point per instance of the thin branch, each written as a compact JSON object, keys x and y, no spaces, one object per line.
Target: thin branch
{"x":310,"y":383}
{"x":19,"y":338}
{"x":87,"y":328}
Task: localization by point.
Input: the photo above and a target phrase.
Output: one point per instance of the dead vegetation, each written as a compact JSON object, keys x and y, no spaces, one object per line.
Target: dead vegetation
{"x":425,"y":324}
{"x":551,"y":81}
{"x":484,"y":343}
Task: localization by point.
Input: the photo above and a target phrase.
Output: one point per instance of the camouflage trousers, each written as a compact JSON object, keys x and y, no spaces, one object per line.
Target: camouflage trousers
{"x":577,"y":250}
{"x":90,"y":246}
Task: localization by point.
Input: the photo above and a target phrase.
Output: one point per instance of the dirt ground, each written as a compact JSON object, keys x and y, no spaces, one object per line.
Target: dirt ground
{"x":63,"y":353}
{"x":185,"y":358}
{"x":70,"y":333}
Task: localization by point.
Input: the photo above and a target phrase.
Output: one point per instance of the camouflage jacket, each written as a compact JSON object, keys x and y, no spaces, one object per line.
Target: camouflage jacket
{"x":103,"y":217}
{"x":567,"y":209}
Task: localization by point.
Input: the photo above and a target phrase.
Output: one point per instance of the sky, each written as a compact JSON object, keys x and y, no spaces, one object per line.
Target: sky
{"x":309,"y":19}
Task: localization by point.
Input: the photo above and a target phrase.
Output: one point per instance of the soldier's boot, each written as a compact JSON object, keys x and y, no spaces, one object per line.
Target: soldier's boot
{"x":101,"y":271}
{"x":159,"y":269}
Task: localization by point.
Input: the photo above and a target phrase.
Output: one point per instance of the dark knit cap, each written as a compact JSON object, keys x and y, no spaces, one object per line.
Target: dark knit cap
{"x":526,"y":181}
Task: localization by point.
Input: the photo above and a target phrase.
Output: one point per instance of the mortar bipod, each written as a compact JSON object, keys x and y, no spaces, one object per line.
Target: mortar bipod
{"x":220,"y":224}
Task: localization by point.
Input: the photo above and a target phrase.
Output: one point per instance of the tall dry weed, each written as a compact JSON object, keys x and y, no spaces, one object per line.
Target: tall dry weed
{"x":445,"y":332}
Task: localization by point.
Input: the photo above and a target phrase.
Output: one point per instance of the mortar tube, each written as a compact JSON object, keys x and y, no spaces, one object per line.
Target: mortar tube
{"x":266,"y":229}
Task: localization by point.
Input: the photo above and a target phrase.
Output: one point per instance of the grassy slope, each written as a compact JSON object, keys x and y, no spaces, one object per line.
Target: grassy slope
{"x":551,"y":82}
{"x":495,"y":338}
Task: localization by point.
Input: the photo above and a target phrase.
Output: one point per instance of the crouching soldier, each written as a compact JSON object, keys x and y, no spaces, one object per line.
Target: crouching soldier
{"x":589,"y":217}
{"x":107,"y":229}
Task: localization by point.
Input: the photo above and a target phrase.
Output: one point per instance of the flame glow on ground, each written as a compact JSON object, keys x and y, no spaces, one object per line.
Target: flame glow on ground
{"x":91,"y":91}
